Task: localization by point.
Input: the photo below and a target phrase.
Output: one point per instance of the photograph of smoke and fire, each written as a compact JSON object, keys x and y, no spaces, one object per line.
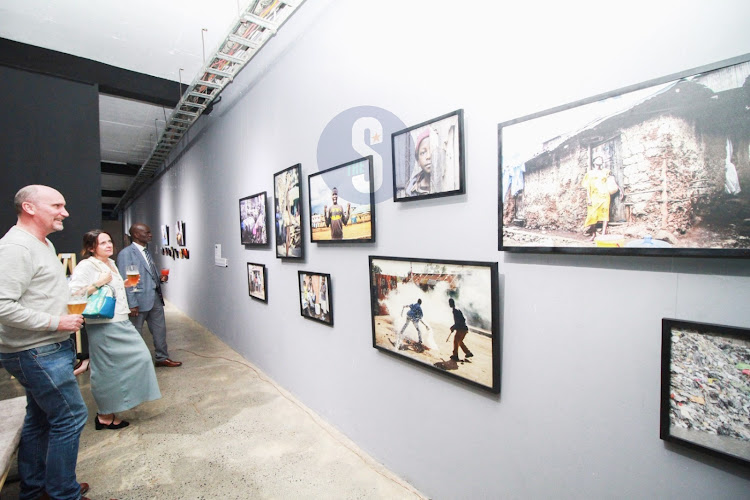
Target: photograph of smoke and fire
{"x":441,"y":314}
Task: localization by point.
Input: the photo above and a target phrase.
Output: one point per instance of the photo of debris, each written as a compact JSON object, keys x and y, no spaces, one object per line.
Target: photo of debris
{"x":706,"y":387}
{"x":442,"y":315}
{"x":658,"y":170}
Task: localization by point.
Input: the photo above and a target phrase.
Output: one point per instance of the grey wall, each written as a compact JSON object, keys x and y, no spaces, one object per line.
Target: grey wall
{"x":51,"y":136}
{"x":578,"y":416}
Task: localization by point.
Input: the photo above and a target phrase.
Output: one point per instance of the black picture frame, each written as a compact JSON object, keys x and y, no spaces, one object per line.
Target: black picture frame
{"x":673,"y":152}
{"x":401,"y":287}
{"x":257,"y":284}
{"x":444,"y":157}
{"x":353,"y":183}
{"x":315,"y":296}
{"x":165,"y":235}
{"x":287,"y":194}
{"x":704,"y":369}
{"x":254,"y":212}
{"x":179,"y":230}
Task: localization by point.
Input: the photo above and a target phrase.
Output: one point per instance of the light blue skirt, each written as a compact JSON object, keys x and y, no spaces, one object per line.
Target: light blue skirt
{"x":122,"y":373}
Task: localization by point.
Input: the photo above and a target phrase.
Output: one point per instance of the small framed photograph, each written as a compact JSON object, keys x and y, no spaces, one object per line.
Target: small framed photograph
{"x":179,"y":229}
{"x":442,"y":315}
{"x":428,"y":159}
{"x":256,"y":281}
{"x":254,"y":220}
{"x":165,"y":235}
{"x":342,"y":203}
{"x":658,"y":169}
{"x":288,"y":213}
{"x":705,"y":388}
{"x":315,"y":298}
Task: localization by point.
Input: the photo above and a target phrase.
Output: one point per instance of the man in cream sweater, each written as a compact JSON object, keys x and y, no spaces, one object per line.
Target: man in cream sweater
{"x":35,"y":346}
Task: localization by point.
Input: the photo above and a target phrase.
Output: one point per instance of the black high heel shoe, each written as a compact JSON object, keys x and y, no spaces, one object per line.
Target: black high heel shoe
{"x":111,"y":425}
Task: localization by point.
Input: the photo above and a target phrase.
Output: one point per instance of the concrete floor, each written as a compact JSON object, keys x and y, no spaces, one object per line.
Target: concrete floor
{"x":221,"y":430}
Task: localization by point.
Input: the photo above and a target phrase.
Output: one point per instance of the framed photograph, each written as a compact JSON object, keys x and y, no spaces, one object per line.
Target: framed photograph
{"x":705,"y":388}
{"x":165,"y":235}
{"x":179,"y":229}
{"x":342,"y":203}
{"x":288,"y":213}
{"x":256,"y":281}
{"x":254,"y":220}
{"x":440,"y":314}
{"x":428,"y":159}
{"x":315,"y":299}
{"x":659,"y":168}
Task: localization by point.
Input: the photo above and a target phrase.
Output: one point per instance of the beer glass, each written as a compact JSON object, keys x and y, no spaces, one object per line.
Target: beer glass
{"x":133,"y":276}
{"x":77,"y":300}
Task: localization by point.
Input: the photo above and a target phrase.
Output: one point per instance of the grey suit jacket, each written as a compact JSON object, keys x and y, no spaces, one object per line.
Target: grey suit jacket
{"x":149,"y":285}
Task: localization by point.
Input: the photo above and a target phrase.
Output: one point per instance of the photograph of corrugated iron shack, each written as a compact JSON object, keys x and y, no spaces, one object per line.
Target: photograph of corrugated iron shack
{"x":680,"y":156}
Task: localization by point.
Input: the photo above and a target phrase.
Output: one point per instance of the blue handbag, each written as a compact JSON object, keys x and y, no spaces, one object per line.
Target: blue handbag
{"x":101,"y":304}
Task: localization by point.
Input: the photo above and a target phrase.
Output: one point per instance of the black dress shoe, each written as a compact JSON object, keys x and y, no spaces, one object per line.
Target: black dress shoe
{"x":111,"y":425}
{"x":168,"y":363}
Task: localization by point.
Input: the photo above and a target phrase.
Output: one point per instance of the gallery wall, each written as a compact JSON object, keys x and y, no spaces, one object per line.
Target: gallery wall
{"x":578,"y":413}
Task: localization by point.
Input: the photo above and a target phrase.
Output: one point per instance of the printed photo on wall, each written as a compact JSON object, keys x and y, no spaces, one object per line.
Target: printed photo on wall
{"x":342,"y":203}
{"x":660,"y":168}
{"x":440,"y":314}
{"x":288,"y":210}
{"x":256,"y":281}
{"x":254,"y":220}
{"x":428,"y":159}
{"x":705,"y":388}
{"x":315,"y":298}
{"x":179,"y":230}
{"x":165,"y":235}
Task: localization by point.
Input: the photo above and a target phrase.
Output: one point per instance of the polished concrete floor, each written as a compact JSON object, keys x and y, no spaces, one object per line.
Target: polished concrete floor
{"x":221,"y":430}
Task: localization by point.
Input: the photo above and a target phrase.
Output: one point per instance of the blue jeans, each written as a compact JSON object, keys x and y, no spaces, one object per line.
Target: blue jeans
{"x":55,"y":416}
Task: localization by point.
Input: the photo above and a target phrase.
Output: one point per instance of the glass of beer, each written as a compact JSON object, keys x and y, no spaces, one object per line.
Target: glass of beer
{"x":133,"y":276}
{"x":77,"y":300}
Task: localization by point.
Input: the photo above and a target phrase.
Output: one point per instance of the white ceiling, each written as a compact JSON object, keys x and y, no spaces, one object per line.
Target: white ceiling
{"x":162,"y":38}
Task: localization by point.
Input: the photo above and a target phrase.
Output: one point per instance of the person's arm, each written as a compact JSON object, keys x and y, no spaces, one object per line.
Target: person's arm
{"x":87,"y":275}
{"x":125,"y":259}
{"x":17,"y":271}
{"x":345,"y":218}
{"x":326,"y":215}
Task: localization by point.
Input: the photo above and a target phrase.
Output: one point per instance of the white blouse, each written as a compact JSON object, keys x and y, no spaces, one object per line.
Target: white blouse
{"x":87,"y":273}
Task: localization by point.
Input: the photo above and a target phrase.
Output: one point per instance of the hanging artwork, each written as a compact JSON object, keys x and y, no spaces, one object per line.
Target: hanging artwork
{"x":315,"y":299}
{"x":428,"y":159}
{"x":659,"y":168}
{"x":165,"y":235}
{"x":342,"y":203}
{"x":254,"y":220}
{"x":440,"y":314}
{"x":180,"y":233}
{"x":256,"y":281}
{"x":288,"y":213}
{"x":705,"y":388}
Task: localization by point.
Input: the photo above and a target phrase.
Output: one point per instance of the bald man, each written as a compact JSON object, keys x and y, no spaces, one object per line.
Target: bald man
{"x":35,"y":346}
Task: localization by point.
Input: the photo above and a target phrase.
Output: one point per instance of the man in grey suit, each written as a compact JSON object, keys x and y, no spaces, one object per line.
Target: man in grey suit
{"x":145,"y":299}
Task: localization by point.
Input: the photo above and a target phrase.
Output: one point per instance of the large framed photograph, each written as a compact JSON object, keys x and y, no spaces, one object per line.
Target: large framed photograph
{"x":428,"y":158}
{"x":288,"y":213}
{"x":254,"y":220}
{"x":342,"y":203}
{"x":659,"y":168}
{"x":705,"y":388}
{"x":439,"y":314}
{"x":315,"y":299}
{"x":256,"y":281}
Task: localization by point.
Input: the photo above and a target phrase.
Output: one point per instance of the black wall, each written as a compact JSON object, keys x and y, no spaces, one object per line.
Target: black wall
{"x":51,"y":136}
